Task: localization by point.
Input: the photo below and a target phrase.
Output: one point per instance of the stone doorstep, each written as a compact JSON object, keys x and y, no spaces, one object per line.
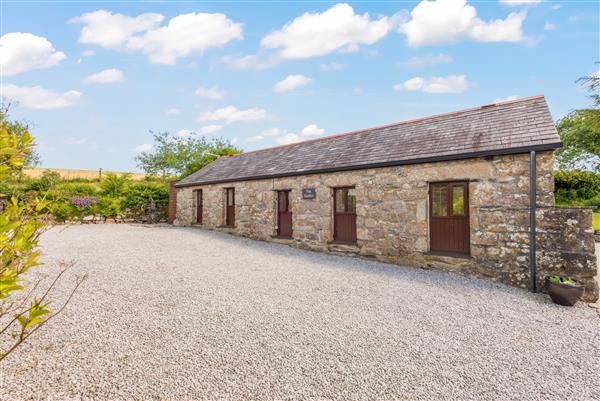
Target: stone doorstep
{"x":347,"y":249}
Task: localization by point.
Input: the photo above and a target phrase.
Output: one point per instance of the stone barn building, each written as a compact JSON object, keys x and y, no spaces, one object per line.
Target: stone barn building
{"x":450,"y":192}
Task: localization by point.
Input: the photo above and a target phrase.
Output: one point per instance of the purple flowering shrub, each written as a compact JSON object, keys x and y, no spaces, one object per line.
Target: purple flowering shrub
{"x":83,"y":202}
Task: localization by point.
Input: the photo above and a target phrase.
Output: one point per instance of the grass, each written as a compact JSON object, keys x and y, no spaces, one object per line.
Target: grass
{"x":597,"y":221}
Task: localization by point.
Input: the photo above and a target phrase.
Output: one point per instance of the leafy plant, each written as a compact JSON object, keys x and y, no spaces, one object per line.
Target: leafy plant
{"x":139,"y":195}
{"x":21,"y":224}
{"x":114,"y":185}
{"x":562,"y":280}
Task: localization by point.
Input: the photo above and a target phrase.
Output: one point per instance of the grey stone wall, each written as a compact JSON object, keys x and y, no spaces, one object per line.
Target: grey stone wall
{"x":392,"y":217}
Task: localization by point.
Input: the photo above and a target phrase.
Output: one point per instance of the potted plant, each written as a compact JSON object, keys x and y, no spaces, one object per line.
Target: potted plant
{"x":564,"y":290}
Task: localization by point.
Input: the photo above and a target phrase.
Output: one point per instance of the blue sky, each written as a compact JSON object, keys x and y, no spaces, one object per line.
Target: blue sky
{"x":94,"y":78}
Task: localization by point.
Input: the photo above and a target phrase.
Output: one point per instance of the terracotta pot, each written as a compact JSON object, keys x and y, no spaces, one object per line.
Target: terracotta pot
{"x":564,"y":294}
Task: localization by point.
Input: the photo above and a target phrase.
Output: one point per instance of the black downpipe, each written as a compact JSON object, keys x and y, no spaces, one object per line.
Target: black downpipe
{"x":532,"y":209}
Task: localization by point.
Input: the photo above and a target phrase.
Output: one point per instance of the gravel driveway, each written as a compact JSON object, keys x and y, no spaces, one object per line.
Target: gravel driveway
{"x":187,"y":314}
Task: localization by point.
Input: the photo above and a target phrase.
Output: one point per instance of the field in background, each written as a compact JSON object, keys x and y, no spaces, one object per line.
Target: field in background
{"x":68,"y":174}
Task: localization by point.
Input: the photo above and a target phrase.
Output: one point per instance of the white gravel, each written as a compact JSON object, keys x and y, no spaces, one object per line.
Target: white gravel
{"x":187,"y":314}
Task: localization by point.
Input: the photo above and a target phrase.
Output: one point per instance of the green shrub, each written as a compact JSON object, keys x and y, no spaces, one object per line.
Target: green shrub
{"x":138,"y":197}
{"x":63,"y":211}
{"x":114,"y":185}
{"x":111,"y":207}
{"x":76,"y":189}
{"x":48,"y":180}
{"x":577,"y":188}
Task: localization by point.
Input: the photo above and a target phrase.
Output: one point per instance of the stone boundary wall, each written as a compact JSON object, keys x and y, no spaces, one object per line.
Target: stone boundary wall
{"x":564,"y":240}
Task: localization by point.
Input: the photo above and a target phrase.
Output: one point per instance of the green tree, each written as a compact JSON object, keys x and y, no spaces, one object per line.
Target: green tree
{"x":20,"y":129}
{"x":22,"y":221}
{"x":580,"y":132}
{"x":173,"y":156}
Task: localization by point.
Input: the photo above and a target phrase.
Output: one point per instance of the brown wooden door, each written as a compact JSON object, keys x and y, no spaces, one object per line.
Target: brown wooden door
{"x":284,"y":214}
{"x":449,"y":217}
{"x":230,"y":212}
{"x":344,"y":214}
{"x":199,"y":206}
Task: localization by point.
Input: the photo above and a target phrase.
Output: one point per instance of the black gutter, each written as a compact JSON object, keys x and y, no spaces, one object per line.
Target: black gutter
{"x":532,"y":228}
{"x":461,"y":156}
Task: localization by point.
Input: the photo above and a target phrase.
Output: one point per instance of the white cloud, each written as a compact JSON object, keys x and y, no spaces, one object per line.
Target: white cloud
{"x":213,"y":93}
{"x":426,"y":61}
{"x":316,"y":34}
{"x":180,"y":37}
{"x":556,"y":7}
{"x":234,"y":141}
{"x":506,"y":99}
{"x":21,"y":52}
{"x":210,"y":129}
{"x":283,"y":136}
{"x":549,"y":26}
{"x":144,"y":147}
{"x":36,"y":97}
{"x":312,"y":130}
{"x":112,"y":31}
{"x":333,"y":66}
{"x":520,"y":2}
{"x":357,"y":91}
{"x":88,"y":53}
{"x":231,"y":114}
{"x":109,"y":76}
{"x":288,"y":138}
{"x":184,"y":133}
{"x":250,"y":62}
{"x":448,"y":21}
{"x":291,"y":82}
{"x":449,"y":84}
{"x":172,"y":111}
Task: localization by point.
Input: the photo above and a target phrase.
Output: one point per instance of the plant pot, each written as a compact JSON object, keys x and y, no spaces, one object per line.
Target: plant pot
{"x":564,"y":294}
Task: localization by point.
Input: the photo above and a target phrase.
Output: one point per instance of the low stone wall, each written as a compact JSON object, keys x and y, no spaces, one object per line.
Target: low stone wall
{"x":564,"y":240}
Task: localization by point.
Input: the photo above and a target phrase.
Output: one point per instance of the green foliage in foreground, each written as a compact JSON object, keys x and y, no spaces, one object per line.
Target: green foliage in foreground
{"x":22,"y":220}
{"x":597,"y":221}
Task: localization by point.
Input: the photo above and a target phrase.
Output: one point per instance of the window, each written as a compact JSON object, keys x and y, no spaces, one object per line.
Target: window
{"x":345,"y":200}
{"x":458,"y":200}
{"x":230,"y":197}
{"x":439,"y":205}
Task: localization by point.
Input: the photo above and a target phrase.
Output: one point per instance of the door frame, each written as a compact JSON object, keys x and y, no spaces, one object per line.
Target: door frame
{"x":227,"y":222}
{"x":466,"y":216}
{"x":335,"y":213}
{"x":199,"y":198}
{"x":287,"y":195}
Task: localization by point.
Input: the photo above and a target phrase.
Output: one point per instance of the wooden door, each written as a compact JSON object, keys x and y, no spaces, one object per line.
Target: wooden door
{"x":284,"y":214}
{"x":449,"y":217}
{"x":344,"y":214}
{"x":230,"y":212}
{"x":199,"y":206}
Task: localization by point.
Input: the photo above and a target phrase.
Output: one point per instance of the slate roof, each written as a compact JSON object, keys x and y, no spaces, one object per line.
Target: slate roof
{"x":502,"y":128}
